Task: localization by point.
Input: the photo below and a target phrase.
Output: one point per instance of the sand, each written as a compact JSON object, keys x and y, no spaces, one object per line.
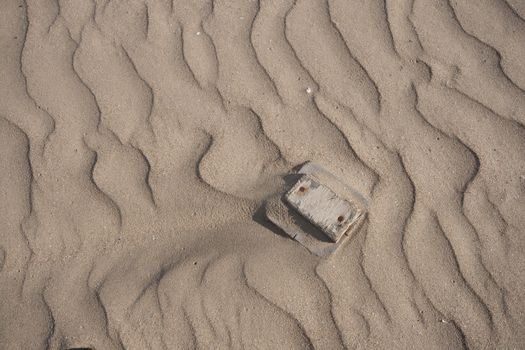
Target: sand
{"x":140,"y":138}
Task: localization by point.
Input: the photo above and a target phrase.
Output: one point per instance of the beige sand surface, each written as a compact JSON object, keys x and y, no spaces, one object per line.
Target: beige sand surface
{"x":139,"y":138}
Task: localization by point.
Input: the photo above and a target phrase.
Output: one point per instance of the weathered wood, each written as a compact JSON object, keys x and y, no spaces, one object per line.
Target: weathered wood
{"x":317,"y":210}
{"x":322,"y":207}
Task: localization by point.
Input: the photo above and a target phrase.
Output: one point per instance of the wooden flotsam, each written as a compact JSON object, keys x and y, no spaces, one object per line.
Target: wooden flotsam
{"x":317,"y":210}
{"x":322,"y":207}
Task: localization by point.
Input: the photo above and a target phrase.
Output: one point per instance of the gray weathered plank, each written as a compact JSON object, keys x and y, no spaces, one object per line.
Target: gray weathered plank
{"x":322,"y":207}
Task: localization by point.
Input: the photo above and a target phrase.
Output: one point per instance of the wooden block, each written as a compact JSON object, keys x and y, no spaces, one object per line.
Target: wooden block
{"x":322,"y":207}
{"x":317,"y":209}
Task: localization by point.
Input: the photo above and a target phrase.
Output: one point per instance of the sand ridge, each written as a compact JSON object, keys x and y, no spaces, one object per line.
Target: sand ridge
{"x":139,"y":138}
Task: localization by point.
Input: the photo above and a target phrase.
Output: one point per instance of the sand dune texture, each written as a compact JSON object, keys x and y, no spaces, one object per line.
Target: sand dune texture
{"x":139,"y":138}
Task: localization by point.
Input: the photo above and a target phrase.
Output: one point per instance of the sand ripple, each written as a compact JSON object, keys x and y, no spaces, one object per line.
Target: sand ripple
{"x":138,"y":138}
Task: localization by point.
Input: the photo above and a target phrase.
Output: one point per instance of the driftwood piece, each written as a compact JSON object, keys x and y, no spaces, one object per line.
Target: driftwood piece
{"x":322,"y":207}
{"x":316,"y":209}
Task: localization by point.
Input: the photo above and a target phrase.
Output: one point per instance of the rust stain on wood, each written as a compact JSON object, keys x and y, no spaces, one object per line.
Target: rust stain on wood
{"x":322,"y":207}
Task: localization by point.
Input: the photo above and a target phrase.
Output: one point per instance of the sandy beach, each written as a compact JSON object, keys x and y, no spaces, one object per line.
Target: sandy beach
{"x":139,"y":140}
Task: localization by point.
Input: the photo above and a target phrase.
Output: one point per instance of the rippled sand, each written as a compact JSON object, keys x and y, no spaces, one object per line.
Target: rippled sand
{"x":139,"y":139}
